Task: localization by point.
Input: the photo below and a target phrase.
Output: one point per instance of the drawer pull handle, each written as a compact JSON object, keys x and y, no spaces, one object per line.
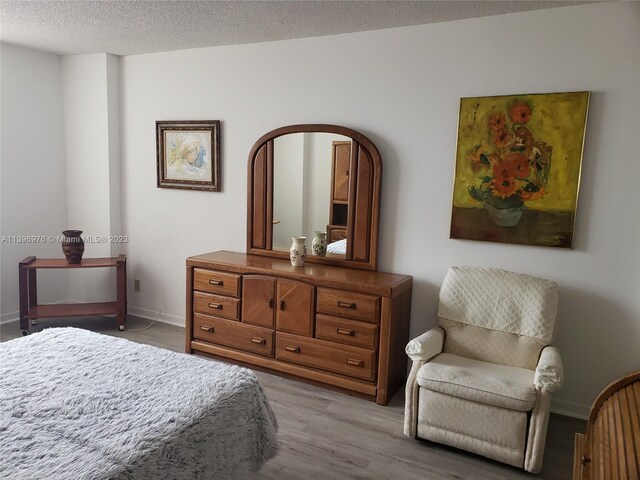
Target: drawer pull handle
{"x":291,"y":348}
{"x":271,"y":303}
{"x":354,"y":362}
{"x":345,"y":331}
{"x":206,"y":328}
{"x":351,"y":305}
{"x":220,"y":283}
{"x":259,"y":341}
{"x":217,"y":306}
{"x":281,"y":304}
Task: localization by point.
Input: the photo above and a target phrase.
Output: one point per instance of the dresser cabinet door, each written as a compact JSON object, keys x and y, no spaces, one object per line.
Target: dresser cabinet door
{"x":295,"y":307}
{"x":258,"y":300}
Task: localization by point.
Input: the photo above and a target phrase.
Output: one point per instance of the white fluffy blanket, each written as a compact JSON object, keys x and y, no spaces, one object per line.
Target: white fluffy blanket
{"x":80,"y":405}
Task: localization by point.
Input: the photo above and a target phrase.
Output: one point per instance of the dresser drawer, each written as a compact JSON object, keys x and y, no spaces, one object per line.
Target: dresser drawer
{"x":337,"y":234}
{"x":216,"y":282}
{"x":233,"y":334}
{"x":225,"y":307}
{"x":348,"y":304}
{"x":343,"y":330}
{"x":346,"y":360}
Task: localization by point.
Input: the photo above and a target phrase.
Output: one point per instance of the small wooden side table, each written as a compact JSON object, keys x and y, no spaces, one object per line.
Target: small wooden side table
{"x":30,"y":310}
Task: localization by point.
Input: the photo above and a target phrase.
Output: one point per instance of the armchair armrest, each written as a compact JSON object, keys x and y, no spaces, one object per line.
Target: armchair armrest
{"x":426,"y":346}
{"x":421,"y":349}
{"x":549,"y":373}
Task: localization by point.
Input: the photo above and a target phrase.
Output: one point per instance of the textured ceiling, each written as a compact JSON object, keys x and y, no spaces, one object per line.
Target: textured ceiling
{"x":125,"y":27}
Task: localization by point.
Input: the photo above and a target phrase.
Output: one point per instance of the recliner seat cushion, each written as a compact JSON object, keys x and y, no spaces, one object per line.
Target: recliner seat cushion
{"x":483,"y":382}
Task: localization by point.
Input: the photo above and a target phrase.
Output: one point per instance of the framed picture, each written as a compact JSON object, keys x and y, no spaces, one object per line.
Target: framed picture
{"x":188,"y":154}
{"x":518,"y":165}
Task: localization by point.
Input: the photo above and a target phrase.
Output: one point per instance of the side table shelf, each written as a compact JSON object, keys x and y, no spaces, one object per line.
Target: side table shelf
{"x":30,"y":310}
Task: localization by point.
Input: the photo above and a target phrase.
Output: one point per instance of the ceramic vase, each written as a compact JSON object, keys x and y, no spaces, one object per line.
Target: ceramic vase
{"x":505,"y":217}
{"x":298,"y":251}
{"x":73,"y":245}
{"x":319,"y":244}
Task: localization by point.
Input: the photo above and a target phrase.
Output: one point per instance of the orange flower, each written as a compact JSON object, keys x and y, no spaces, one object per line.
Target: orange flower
{"x":503,"y":138}
{"x":494,"y":159}
{"x":478,"y":157}
{"x":504,"y":169}
{"x":540,"y":155}
{"x":518,"y":165}
{"x":504,"y":187}
{"x":497,"y":122}
{"x":524,"y":138}
{"x":531,"y":191}
{"x":520,"y":113}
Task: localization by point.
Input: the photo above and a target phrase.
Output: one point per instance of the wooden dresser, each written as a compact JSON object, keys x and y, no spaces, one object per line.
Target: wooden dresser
{"x":610,"y":450}
{"x":341,"y":327}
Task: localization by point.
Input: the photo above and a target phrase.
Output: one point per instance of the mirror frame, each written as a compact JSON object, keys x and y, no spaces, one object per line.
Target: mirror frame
{"x":363,"y":215}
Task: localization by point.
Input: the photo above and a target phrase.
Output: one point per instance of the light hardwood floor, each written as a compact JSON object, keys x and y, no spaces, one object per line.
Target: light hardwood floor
{"x":328,"y":435}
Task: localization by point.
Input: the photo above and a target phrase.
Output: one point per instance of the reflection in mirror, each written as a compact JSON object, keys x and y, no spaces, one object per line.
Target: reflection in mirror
{"x":311,"y":189}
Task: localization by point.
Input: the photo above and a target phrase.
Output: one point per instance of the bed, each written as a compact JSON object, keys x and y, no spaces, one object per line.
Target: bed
{"x":77,"y":404}
{"x":339,"y":247}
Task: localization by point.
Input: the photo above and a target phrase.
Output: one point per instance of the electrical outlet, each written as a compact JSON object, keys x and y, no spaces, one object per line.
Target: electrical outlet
{"x":136,"y":285}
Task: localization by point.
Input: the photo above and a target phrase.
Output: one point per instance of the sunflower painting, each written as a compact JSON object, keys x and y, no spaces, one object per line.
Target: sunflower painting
{"x":518,"y":168}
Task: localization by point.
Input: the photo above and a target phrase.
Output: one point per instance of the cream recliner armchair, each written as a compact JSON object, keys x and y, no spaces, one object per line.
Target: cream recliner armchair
{"x":482,"y":380}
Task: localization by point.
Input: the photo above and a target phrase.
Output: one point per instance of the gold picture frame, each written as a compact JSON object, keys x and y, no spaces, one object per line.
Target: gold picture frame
{"x":518,"y":167}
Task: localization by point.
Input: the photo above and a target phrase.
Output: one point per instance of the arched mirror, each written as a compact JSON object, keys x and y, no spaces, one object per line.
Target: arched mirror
{"x":305,"y":179}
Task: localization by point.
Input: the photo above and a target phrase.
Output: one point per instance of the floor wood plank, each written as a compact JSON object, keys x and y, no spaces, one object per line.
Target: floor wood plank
{"x":332,"y":436}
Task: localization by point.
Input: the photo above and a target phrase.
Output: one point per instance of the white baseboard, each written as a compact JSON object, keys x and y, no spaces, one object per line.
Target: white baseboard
{"x":153,"y":314}
{"x":570,"y":409}
{"x":9,"y":317}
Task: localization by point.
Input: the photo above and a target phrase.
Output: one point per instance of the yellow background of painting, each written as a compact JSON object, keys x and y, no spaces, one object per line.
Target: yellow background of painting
{"x":558,"y":119}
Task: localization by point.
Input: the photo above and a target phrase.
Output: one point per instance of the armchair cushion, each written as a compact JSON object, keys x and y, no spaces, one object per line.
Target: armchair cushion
{"x":491,"y":345}
{"x":549,"y":373}
{"x":500,"y":300}
{"x":483,"y":382}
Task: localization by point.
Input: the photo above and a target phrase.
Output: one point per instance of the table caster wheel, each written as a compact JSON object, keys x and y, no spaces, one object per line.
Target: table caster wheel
{"x":121,"y":328}
{"x":33,"y":322}
{"x":25,"y":333}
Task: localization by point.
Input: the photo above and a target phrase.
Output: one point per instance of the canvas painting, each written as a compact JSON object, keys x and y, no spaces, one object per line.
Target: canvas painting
{"x":188,"y":155}
{"x":518,"y":166}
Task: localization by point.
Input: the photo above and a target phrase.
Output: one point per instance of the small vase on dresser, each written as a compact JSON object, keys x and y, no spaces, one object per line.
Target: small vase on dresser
{"x":319,"y":245}
{"x":298,"y":251}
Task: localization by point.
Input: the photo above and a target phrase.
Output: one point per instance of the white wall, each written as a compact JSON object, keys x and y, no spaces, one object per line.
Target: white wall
{"x":289,"y":199}
{"x":401,"y":88}
{"x":91,"y":101}
{"x":32,"y":169}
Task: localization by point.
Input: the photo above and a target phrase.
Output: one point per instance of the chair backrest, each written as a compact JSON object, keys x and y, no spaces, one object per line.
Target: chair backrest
{"x":497,"y":316}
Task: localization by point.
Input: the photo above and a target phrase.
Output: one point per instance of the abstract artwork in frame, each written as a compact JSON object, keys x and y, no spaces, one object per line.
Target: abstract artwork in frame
{"x":188,"y":154}
{"x":518,"y":167}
